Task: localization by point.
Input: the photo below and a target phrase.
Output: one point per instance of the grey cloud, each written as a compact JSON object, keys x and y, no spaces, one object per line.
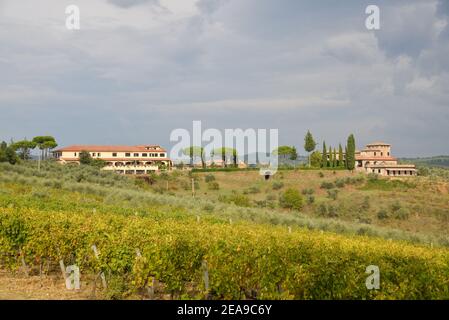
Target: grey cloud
{"x":131,"y":3}
{"x":210,"y":6}
{"x":292,"y":65}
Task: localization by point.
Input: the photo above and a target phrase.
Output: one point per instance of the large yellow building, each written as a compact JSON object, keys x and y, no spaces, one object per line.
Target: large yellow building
{"x":377,"y":158}
{"x":143,"y":159}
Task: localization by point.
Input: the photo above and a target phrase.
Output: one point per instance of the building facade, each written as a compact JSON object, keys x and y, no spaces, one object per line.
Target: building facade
{"x":377,"y":158}
{"x":143,"y":159}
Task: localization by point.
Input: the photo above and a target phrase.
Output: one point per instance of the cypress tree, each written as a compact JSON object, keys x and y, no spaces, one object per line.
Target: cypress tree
{"x":350,"y":155}
{"x":346,"y":153}
{"x":334,"y":159}
{"x":331,"y":161}
{"x":324,"y":156}
{"x":340,"y":156}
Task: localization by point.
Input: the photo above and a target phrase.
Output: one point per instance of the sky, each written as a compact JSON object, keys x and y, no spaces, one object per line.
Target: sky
{"x":138,"y":69}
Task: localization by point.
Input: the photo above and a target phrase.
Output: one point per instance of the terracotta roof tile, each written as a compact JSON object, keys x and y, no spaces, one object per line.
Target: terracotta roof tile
{"x":98,"y":148}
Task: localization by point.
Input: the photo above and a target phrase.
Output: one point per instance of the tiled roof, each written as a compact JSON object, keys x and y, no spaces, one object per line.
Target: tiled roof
{"x":359,"y":157}
{"x":96,"y":148}
{"x":378,"y":143}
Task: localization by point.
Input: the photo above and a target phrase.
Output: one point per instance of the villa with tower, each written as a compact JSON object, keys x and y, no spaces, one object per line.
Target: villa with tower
{"x":376,"y":158}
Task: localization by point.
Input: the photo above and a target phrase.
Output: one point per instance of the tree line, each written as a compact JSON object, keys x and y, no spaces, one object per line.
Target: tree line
{"x":330,"y":157}
{"x":21,"y":150}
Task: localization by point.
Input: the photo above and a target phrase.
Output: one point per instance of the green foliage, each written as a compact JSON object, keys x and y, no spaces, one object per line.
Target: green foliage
{"x":324,"y":161}
{"x":375,"y":183}
{"x":209,"y":178}
{"x":244,"y":260}
{"x":309,"y":145}
{"x":332,"y":194}
{"x":366,"y":203}
{"x":382,"y":214}
{"x":327,"y":185}
{"x":315,"y":159}
{"x":308,"y":191}
{"x":286,"y":152}
{"x":85,"y":157}
{"x":350,"y":153}
{"x":193,"y":152}
{"x":291,"y":199}
{"x":45,"y":144}
{"x":277,"y":185}
{"x":340,"y":162}
{"x":252,"y":190}
{"x":327,"y":210}
{"x":240,"y":200}
{"x":24,"y":148}
{"x":7,"y":153}
{"x":401,"y":214}
{"x":213,"y":185}
{"x":340,"y":182}
{"x":310,"y":199}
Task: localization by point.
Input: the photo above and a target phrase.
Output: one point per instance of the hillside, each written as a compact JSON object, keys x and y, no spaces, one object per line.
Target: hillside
{"x":437,"y":161}
{"x":250,"y":245}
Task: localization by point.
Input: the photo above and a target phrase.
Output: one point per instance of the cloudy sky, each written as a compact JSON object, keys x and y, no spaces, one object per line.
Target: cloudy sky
{"x":138,"y":69}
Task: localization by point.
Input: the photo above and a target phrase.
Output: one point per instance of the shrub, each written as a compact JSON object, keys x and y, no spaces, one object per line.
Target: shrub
{"x":382,"y":214}
{"x":209,"y":178}
{"x":395,"y":206}
{"x":321,"y":174}
{"x":209,"y":207}
{"x":291,"y":199}
{"x":332,"y":194}
{"x":185,"y":185}
{"x":401,"y":214}
{"x":307,"y":191}
{"x":332,"y":211}
{"x":277,"y":185}
{"x":327,"y":185}
{"x":340,"y":183}
{"x":240,"y":200}
{"x":261,"y":203}
{"x":271,"y":197}
{"x":252,"y":190}
{"x":310,"y":199}
{"x":213,"y":185}
{"x":365,"y":204}
{"x":327,"y":211}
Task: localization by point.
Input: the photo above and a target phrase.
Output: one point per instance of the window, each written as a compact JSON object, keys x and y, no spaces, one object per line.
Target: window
{"x":161,"y":155}
{"x":381,"y":154}
{"x":378,"y":170}
{"x":99,"y":154}
{"x":114,"y":154}
{"x":74,"y":154}
{"x":93,"y":154}
{"x":127,"y":154}
{"x":136,"y":154}
{"x":144,"y":154}
{"x":374,"y":153}
{"x":388,"y":153}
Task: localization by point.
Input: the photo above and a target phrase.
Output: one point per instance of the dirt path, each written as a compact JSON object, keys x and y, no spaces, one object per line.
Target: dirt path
{"x":20,"y":287}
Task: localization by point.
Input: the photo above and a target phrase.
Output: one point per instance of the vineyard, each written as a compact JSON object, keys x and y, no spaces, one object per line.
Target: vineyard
{"x":162,"y":250}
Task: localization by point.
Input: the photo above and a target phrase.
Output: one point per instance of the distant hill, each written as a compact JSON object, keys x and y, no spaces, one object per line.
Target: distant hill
{"x":437,"y":161}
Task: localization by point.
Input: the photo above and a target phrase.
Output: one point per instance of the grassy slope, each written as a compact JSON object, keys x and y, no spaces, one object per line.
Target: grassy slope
{"x":89,"y":198}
